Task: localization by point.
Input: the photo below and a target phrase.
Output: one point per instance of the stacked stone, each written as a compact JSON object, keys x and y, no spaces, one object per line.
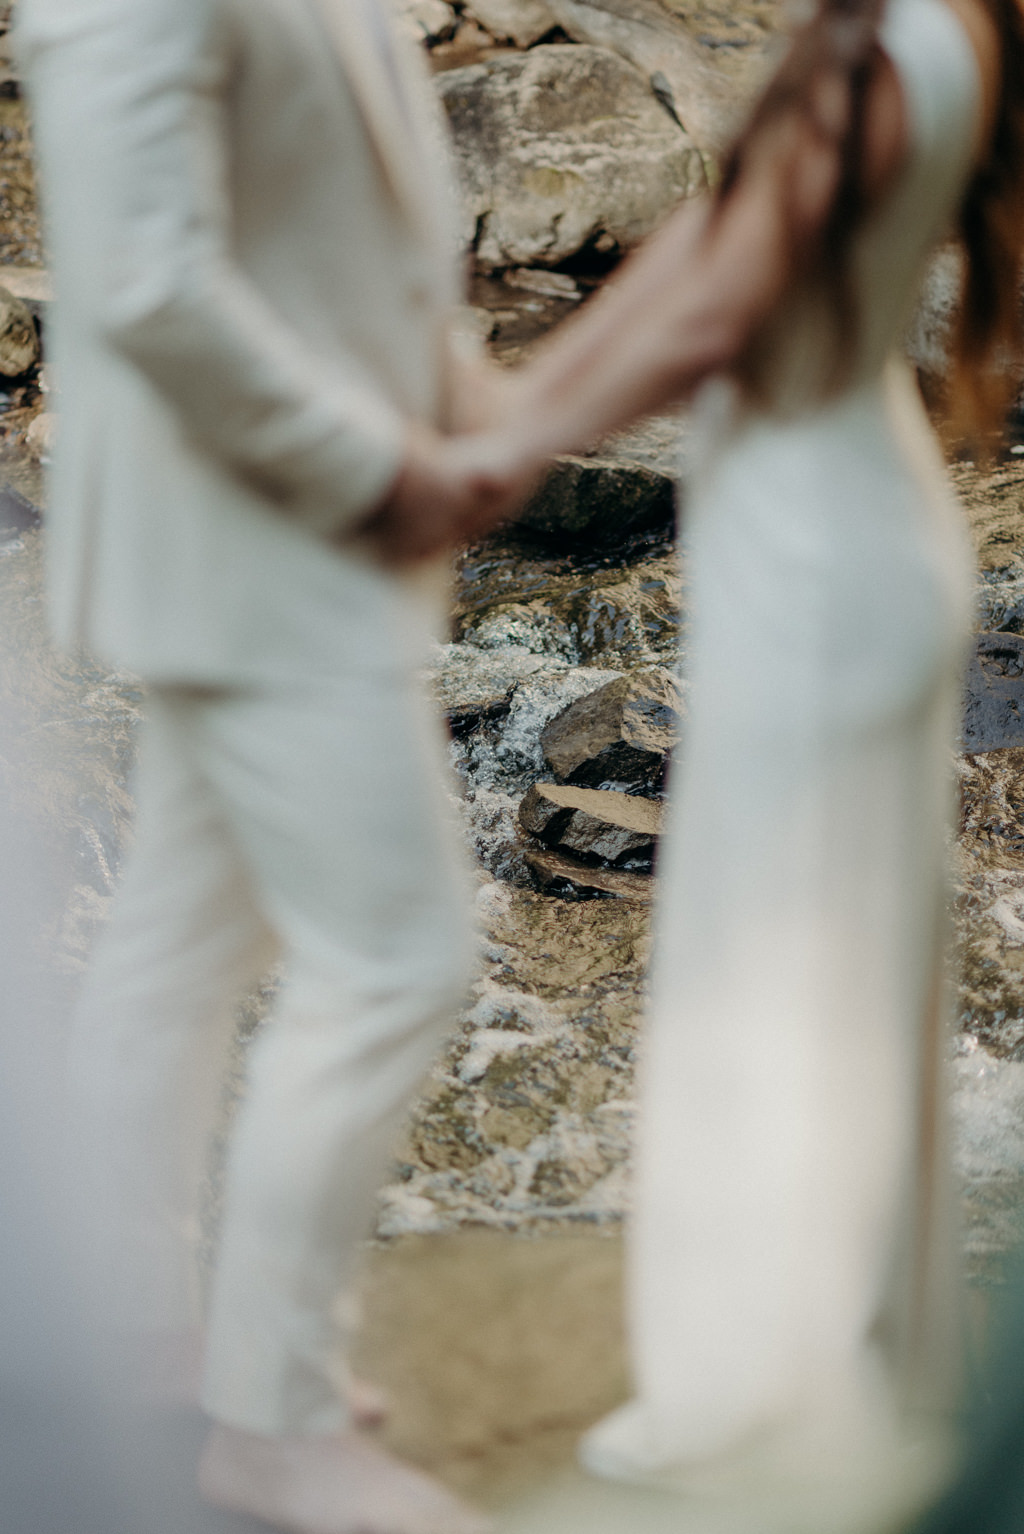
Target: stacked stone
{"x":598,"y":823}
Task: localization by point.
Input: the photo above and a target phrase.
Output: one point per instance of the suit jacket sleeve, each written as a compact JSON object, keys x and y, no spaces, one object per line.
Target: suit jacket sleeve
{"x":307,"y":427}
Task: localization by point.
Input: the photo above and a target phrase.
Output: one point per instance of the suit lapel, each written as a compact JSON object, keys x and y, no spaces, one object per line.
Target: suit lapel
{"x":393,"y":122}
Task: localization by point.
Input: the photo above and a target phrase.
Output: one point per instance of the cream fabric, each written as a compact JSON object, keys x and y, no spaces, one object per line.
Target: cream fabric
{"x":792,"y":1310}
{"x":247,"y":205}
{"x":308,"y":821}
{"x":253,"y":250}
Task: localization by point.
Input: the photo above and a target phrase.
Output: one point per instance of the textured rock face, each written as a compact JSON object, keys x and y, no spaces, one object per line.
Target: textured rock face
{"x":602,"y":499}
{"x":592,"y":822}
{"x":690,"y":76}
{"x":559,"y":147}
{"x":19,"y":341}
{"x":621,"y":733}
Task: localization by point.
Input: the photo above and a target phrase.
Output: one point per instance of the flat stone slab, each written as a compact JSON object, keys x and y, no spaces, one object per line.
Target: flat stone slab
{"x":553,"y":871}
{"x":621,"y":733}
{"x":592,"y":822}
{"x":32,"y":284}
{"x":993,"y":716}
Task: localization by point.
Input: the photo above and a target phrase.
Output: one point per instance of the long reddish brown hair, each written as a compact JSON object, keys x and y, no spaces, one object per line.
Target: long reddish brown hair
{"x":839,"y":44}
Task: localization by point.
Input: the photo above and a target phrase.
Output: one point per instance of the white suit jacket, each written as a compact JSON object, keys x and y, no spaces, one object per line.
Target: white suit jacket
{"x":248,"y":212}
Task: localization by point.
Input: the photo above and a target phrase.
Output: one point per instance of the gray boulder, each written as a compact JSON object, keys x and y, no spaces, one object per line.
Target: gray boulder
{"x":592,"y":822}
{"x":605,"y":500}
{"x":19,"y":339}
{"x":558,"y":147}
{"x":622,"y":733}
{"x":428,"y":21}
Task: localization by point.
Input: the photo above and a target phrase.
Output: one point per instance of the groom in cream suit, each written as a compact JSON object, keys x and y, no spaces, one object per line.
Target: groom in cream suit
{"x":248,"y":213}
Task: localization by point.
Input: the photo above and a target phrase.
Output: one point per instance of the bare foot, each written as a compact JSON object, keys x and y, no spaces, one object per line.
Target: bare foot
{"x":343,"y":1484}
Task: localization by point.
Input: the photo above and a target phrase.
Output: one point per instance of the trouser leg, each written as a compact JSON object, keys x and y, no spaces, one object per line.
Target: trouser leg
{"x":150,"y":1035}
{"x":336,"y":799}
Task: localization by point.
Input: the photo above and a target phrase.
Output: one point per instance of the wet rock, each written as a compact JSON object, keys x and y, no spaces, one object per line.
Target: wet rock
{"x":558,"y":146}
{"x":523,"y":22}
{"x":621,"y":733}
{"x":19,"y":339}
{"x":429,"y":21}
{"x":592,"y":822}
{"x":617,"y":615}
{"x":993,"y":716}
{"x":605,"y":501}
{"x":555,"y":873}
{"x":535,"y":626}
{"x":630,"y":620}
{"x":472,"y":685}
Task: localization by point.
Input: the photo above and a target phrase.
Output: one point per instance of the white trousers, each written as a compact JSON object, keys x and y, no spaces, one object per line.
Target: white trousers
{"x":309,"y":820}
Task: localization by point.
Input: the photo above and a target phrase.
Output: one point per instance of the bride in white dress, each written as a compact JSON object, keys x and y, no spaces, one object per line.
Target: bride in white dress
{"x":792,"y":1290}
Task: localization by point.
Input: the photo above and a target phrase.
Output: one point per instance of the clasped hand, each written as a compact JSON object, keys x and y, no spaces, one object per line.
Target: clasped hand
{"x":450,"y":490}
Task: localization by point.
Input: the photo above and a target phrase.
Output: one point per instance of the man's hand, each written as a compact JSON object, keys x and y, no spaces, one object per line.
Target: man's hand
{"x":449,"y":491}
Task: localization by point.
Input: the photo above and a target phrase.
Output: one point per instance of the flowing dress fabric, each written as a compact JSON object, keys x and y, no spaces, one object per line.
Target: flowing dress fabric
{"x":792,"y":1307}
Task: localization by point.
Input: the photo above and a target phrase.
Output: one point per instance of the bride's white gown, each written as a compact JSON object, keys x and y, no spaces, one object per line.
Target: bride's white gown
{"x":792,"y":1297}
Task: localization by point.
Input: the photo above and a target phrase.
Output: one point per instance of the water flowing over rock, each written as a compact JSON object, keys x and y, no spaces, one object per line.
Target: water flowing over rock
{"x":592,"y":822}
{"x":620,"y":734}
{"x":559,"y":147}
{"x":19,"y":340}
